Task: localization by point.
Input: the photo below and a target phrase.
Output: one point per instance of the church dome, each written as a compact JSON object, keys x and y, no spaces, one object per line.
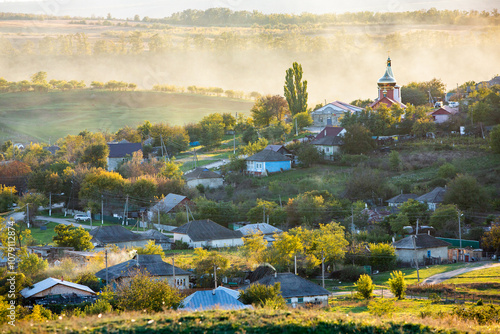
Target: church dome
{"x":388,"y":78}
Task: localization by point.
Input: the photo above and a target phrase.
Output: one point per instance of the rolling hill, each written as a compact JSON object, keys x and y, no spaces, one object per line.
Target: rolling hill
{"x":43,"y":116}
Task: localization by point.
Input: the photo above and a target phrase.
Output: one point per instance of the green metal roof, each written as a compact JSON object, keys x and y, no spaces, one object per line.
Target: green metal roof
{"x":465,"y":243}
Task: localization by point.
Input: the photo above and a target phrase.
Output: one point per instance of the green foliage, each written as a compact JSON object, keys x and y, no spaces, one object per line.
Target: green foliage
{"x":366,"y":183}
{"x":491,"y":239}
{"x":382,"y":307}
{"x":212,"y":131}
{"x":143,"y":293}
{"x":351,"y":273}
{"x":34,"y":200}
{"x":308,"y":155}
{"x":306,"y":208}
{"x":175,"y":138}
{"x":7,"y":197}
{"x":395,"y":161}
{"x":71,"y":236}
{"x":481,"y":314}
{"x":255,"y":147}
{"x":415,"y":210}
{"x":447,"y":171}
{"x":357,"y":140}
{"x":267,"y":208}
{"x":205,"y":261}
{"x":365,"y":286}
{"x":100,"y":306}
{"x":32,"y":265}
{"x":268,"y":109}
{"x":445,"y":220}
{"x":88,"y":279}
{"x":302,"y":120}
{"x":397,"y":284}
{"x":495,"y":139}
{"x":264,"y":296}
{"x":383,"y":256}
{"x":422,"y":126}
{"x":95,"y":155}
{"x":171,"y":170}
{"x":296,"y":89}
{"x":150,"y":249}
{"x":466,"y":193}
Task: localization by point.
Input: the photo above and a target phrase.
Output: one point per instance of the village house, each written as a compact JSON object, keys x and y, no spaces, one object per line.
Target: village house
{"x":53,"y":286}
{"x":119,"y":152}
{"x":443,"y":114}
{"x":400,"y":199}
{"x":205,"y":177}
{"x":158,"y":238}
{"x":116,"y":235}
{"x":152,"y":265}
{"x":266,"y":229}
{"x":332,"y":113}
{"x":170,"y":204}
{"x":267,"y":161}
{"x":206,"y":233}
{"x":297,"y":291}
{"x":433,"y":198}
{"x":220,"y":298}
{"x":421,"y":247}
{"x":329,"y":140}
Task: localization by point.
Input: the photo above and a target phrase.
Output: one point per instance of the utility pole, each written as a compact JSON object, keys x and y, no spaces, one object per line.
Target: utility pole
{"x":234,"y":141}
{"x":102,"y":210}
{"x":125,"y":212}
{"x":28,"y":214}
{"x":460,"y":233}
{"x":296,"y":127}
{"x":295,"y":260}
{"x":50,"y":204}
{"x":106,"y":254}
{"x":264,"y":213}
{"x":215,"y":275}
{"x":323,"y":268}
{"x":415,"y":250}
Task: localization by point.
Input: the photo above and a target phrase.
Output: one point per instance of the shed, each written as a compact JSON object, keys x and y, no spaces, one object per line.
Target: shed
{"x":199,"y":233}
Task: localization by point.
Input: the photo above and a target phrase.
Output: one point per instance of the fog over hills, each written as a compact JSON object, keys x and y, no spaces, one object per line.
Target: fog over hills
{"x":158,"y":8}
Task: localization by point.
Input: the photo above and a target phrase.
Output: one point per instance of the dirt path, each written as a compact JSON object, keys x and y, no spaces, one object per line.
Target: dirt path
{"x":439,"y":278}
{"x":67,"y":221}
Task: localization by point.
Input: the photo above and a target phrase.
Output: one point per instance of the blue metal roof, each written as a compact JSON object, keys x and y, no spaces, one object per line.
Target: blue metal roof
{"x":212,"y":299}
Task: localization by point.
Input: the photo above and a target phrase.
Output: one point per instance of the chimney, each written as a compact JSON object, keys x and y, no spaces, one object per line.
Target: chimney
{"x":429,"y":232}
{"x":62,"y":278}
{"x":275,"y":274}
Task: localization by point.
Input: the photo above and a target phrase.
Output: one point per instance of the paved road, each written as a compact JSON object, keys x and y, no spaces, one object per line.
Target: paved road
{"x":67,"y":221}
{"x":439,"y":278}
{"x":215,"y":164}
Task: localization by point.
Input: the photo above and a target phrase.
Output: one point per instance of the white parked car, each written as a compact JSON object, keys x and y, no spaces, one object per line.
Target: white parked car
{"x":454,"y":104}
{"x":80,"y":217}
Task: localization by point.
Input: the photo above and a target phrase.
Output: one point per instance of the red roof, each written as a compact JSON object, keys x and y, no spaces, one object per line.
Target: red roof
{"x":445,"y":110}
{"x":329,"y":131}
{"x":388,"y":101}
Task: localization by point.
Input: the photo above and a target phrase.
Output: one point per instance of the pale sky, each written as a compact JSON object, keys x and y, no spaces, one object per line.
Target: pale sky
{"x":162,"y":8}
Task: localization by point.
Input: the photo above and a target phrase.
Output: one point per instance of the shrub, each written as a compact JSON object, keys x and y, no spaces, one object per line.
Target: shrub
{"x":481,"y":314}
{"x":365,"y":286}
{"x":447,"y":171}
{"x":382,"y":307}
{"x":99,"y":307}
{"x":179,"y":244}
{"x":39,"y":313}
{"x":397,"y":284}
{"x":350,"y":273}
{"x":263,"y":295}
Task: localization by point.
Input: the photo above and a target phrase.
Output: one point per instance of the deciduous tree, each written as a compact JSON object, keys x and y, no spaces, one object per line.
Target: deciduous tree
{"x":296,"y":89}
{"x":71,"y":236}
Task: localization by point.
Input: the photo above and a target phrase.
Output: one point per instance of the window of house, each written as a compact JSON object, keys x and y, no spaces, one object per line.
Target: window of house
{"x":288,"y":300}
{"x":327,"y":149}
{"x":300,"y":300}
{"x":258,"y":165}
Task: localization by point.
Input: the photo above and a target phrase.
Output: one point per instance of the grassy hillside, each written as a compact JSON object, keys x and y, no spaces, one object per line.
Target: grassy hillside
{"x":34,"y":116}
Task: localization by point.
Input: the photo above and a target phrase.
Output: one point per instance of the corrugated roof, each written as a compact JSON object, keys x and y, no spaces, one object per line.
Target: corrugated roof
{"x":434,"y":196}
{"x":113,"y":234}
{"x":234,"y":293}
{"x":402,"y":198}
{"x":168,"y":203}
{"x":421,"y":241}
{"x":212,"y":299}
{"x":265,"y":228}
{"x":293,"y":285}
{"x":445,"y":110}
{"x":152,"y":264}
{"x":202,"y":173}
{"x":120,"y":150}
{"x":204,"y":230}
{"x":267,"y":155}
{"x":278,"y":148}
{"x":49,"y":283}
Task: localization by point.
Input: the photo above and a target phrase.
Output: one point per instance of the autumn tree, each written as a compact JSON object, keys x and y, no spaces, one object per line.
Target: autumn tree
{"x":71,"y":236}
{"x":466,"y":193}
{"x":491,"y":239}
{"x":269,"y":108}
{"x":129,"y":134}
{"x":495,"y":139}
{"x":175,"y":138}
{"x":151,"y":249}
{"x":285,"y":247}
{"x":268,"y":296}
{"x":212,"y":130}
{"x":264,"y":208}
{"x":295,"y":89}
{"x":357,"y":139}
{"x":254,"y":245}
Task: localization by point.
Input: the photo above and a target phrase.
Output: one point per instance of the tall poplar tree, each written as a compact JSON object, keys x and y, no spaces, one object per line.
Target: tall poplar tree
{"x":295,"y":89}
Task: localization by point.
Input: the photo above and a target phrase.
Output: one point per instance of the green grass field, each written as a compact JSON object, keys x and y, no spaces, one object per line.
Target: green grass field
{"x":43,"y":237}
{"x":40,"y":116}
